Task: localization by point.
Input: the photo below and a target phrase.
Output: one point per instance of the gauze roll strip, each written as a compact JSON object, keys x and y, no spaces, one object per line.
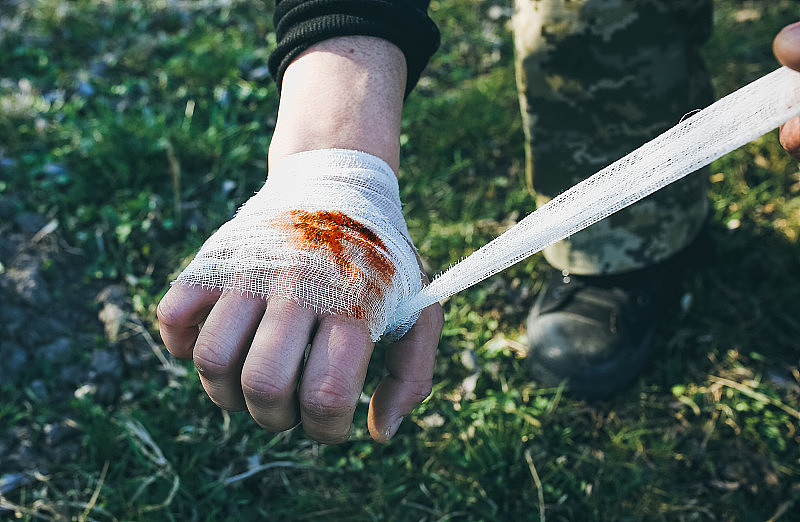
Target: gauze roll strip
{"x":326,"y":231}
{"x":695,"y":142}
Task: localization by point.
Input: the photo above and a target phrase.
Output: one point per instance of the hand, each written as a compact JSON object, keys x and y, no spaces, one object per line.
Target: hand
{"x":250,"y":354}
{"x":345,"y":93}
{"x":787,"y":49}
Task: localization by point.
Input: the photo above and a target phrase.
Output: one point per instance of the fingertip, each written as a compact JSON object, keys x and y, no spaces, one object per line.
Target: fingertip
{"x":383,"y":431}
{"x":786,"y":46}
{"x":393,"y":400}
{"x":180,"y":313}
{"x":790,"y":137}
{"x":383,"y":420}
{"x":377,"y":423}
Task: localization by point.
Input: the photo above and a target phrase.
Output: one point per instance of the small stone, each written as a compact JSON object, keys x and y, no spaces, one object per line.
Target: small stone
{"x":59,"y":351}
{"x":113,"y":318}
{"x":47,"y":331}
{"x":72,"y":374}
{"x":52,"y":327}
{"x":111,"y":294}
{"x":106,"y":391}
{"x":6,"y":250}
{"x":7,"y":209}
{"x":14,"y":358}
{"x":113,"y":314}
{"x":67,"y":451}
{"x":28,"y":285}
{"x":39,"y":388}
{"x":30,"y":223}
{"x":11,"y":481}
{"x":85,"y":391}
{"x":57,"y":433}
{"x":136,"y":354}
{"x":106,"y":363}
{"x":24,"y":458}
{"x":11,"y":317}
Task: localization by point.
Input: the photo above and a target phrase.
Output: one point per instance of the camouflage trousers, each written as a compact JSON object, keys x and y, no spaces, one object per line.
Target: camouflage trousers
{"x":597,"y":79}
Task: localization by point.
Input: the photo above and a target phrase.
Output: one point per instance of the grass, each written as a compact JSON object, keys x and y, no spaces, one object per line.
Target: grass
{"x":140,"y":126}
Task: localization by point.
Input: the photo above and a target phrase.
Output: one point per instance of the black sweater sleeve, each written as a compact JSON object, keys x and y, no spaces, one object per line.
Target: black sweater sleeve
{"x":302,"y":23}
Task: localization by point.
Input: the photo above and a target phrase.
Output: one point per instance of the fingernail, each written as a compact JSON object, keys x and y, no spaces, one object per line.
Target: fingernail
{"x":392,"y":429}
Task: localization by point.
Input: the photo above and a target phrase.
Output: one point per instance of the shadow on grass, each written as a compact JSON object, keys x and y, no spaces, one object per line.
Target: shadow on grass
{"x":740,"y":301}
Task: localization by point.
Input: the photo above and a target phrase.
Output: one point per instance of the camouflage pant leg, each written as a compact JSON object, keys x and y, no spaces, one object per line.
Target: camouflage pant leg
{"x":596,"y":79}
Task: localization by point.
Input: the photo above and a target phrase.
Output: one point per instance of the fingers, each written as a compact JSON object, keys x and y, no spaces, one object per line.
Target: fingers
{"x":249,"y":354}
{"x":333,"y":378}
{"x":786,"y":46}
{"x":272,"y":367}
{"x":787,"y":50}
{"x":180,"y":313}
{"x":410,"y":363}
{"x":222,"y":345}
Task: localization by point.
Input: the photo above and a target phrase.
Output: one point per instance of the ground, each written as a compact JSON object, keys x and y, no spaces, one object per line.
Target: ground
{"x":131,"y":130}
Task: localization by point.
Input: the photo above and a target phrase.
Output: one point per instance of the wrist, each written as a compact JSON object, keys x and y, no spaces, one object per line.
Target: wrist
{"x":343,"y":93}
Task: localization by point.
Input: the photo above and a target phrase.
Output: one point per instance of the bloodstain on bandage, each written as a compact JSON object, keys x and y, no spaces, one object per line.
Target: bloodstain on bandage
{"x":344,"y":241}
{"x":356,"y":312}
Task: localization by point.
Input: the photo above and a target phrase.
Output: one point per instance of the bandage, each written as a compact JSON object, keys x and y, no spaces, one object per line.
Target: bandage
{"x":326,"y":231}
{"x":693,"y":143}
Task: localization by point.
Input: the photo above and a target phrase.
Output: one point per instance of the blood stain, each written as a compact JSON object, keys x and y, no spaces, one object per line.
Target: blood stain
{"x":344,"y":240}
{"x":357,"y":312}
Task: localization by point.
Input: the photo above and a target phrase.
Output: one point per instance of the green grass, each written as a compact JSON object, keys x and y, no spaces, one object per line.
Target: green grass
{"x":140,"y":127}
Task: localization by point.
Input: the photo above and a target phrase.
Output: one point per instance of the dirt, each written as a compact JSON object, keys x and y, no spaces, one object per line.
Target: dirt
{"x":62,"y":336}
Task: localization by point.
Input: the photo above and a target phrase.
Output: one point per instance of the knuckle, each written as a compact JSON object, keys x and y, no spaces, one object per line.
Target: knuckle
{"x":207,"y":367}
{"x":210,"y":357}
{"x":325,"y":403}
{"x":270,"y":396}
{"x":265,"y":388}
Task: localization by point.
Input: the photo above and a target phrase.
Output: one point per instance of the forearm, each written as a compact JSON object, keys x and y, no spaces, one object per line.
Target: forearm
{"x":345,"y":92}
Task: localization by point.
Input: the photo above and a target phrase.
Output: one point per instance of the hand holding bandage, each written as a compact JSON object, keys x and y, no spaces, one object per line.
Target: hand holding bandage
{"x":787,"y":50}
{"x":322,"y":252}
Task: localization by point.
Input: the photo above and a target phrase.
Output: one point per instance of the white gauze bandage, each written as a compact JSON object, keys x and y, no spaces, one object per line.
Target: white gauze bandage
{"x":326,"y":231}
{"x":695,"y":142}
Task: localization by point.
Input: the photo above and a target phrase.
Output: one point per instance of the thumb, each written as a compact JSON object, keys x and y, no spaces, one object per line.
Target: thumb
{"x":409,"y":362}
{"x":786,"y":46}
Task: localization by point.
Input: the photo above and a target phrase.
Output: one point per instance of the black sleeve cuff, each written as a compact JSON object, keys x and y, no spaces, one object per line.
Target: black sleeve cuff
{"x":302,"y":23}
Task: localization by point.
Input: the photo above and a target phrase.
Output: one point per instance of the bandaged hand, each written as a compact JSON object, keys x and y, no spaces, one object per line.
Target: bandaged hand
{"x":787,"y":50}
{"x":319,"y":255}
{"x":293,"y":291}
{"x":327,"y":232}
